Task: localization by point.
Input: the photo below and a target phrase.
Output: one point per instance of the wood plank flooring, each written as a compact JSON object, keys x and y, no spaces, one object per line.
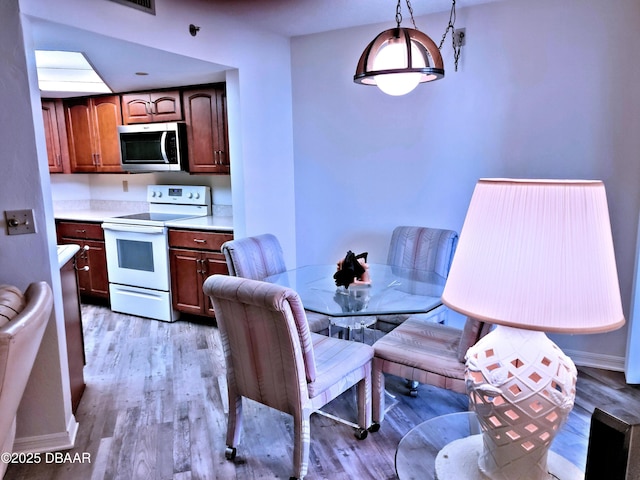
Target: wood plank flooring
{"x":155,"y":408}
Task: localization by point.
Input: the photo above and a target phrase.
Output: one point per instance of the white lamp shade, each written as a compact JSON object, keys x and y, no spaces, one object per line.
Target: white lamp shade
{"x":537,"y":254}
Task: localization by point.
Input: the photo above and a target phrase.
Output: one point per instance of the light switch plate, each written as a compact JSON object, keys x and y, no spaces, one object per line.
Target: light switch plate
{"x":20,"y":222}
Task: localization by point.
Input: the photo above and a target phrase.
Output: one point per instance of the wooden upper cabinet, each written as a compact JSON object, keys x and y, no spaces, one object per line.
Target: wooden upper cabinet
{"x":92,"y":131}
{"x":55,"y":132}
{"x":205,"y":113}
{"x":148,"y":107}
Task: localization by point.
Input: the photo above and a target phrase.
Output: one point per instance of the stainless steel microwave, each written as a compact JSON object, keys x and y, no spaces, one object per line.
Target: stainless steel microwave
{"x":152,"y":147}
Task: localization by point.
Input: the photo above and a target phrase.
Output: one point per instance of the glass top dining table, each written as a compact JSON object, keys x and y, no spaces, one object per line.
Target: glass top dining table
{"x":393,"y":290}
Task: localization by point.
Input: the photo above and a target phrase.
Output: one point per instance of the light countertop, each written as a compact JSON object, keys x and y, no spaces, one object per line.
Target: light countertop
{"x":210,"y":222}
{"x":66,"y":253}
{"x":88,"y":215}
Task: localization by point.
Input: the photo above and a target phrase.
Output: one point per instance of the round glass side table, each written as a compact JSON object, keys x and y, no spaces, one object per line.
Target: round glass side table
{"x":418,"y":449}
{"x":417,"y":454}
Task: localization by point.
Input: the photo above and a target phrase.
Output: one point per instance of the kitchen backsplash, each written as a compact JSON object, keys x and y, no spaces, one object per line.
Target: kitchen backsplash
{"x":123,"y":206}
{"x":107,"y":205}
{"x":222,"y":210}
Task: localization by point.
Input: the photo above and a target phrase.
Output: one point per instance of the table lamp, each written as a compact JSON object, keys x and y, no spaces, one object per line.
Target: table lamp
{"x":534,"y":256}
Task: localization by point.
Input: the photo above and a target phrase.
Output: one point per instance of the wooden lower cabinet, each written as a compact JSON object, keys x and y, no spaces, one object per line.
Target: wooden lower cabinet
{"x":194,"y":256}
{"x":74,"y":332}
{"x":92,"y":261}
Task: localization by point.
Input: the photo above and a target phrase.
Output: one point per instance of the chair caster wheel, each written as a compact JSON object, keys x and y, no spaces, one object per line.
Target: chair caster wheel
{"x":361,"y":433}
{"x":374,"y":427}
{"x":413,"y":392}
{"x":230,"y":453}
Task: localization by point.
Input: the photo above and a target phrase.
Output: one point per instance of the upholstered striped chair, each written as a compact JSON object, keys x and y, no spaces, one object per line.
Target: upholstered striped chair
{"x":423,"y":248}
{"x":273,"y":358}
{"x":422,"y":350}
{"x":23,"y":319}
{"x":259,"y":257}
{"x":419,"y":248}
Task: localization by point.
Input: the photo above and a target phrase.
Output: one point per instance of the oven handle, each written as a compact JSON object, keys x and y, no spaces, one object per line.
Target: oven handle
{"x":133,"y":228}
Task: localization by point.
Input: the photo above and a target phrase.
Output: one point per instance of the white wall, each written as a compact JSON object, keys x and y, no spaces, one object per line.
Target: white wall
{"x":544,"y":89}
{"x":24,"y":182}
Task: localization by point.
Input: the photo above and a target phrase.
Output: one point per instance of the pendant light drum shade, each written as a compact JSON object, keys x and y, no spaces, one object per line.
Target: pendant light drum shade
{"x":399,"y":59}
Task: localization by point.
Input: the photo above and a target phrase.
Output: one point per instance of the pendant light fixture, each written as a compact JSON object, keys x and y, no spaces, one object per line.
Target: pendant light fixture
{"x":399,"y":59}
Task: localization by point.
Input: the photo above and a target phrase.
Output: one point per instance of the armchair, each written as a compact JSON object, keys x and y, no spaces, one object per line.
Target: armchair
{"x":273,"y":358}
{"x":423,"y":351}
{"x":23,"y":321}
{"x":419,"y":248}
{"x":423,"y":248}
{"x":259,"y":257}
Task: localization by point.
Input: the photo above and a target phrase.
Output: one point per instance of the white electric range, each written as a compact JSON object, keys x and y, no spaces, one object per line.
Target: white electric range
{"x":138,"y":252}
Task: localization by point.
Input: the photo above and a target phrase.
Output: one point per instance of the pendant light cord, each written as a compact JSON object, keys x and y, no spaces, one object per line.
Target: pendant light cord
{"x":399,"y":14}
{"x":452,"y":21}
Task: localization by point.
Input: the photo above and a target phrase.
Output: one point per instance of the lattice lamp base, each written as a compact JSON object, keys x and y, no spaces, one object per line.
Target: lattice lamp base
{"x":522,"y":387}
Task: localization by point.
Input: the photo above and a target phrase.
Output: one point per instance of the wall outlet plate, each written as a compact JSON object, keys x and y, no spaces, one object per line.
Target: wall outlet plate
{"x":20,"y":222}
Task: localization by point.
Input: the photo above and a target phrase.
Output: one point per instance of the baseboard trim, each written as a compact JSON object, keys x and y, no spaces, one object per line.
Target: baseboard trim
{"x":596,"y":360}
{"x":52,"y":442}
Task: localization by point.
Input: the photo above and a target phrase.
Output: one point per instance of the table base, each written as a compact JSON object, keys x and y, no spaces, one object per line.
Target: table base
{"x":459,"y":459}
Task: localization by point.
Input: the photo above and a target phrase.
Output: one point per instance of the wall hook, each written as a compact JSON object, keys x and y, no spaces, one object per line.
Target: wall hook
{"x":193,"y":30}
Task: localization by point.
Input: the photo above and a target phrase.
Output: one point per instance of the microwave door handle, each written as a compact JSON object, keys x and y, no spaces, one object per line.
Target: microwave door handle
{"x":163,"y":147}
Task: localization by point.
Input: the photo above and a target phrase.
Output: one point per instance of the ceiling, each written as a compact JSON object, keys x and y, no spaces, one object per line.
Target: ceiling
{"x":303,"y":17}
{"x":118,"y":61}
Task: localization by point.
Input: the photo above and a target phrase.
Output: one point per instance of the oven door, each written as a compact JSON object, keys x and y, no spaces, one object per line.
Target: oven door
{"x":137,"y":255}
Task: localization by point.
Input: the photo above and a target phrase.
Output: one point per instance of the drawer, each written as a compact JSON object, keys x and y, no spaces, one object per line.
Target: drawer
{"x":198,"y":239}
{"x":91,"y":231}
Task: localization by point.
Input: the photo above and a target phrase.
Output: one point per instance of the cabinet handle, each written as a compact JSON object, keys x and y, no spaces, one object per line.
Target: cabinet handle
{"x":198,"y":240}
{"x":149,"y":107}
{"x":58,"y":159}
{"x":82,"y":269}
{"x":81,"y":231}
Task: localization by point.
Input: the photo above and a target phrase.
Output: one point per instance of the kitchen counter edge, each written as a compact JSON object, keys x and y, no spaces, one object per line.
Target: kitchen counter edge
{"x":210,"y":222}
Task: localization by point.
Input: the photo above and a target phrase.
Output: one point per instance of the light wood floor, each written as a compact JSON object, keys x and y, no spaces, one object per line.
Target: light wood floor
{"x":155,"y":404}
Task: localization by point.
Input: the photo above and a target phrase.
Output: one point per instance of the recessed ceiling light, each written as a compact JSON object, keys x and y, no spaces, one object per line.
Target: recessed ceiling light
{"x":60,"y":71}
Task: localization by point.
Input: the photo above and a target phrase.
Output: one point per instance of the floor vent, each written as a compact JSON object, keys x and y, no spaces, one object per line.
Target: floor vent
{"x":148,"y":6}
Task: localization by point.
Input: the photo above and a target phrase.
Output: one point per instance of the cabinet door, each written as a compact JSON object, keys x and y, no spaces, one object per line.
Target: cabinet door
{"x":92,"y":129}
{"x":56,"y":136}
{"x":97,"y":262}
{"x":186,"y":274}
{"x":136,"y":108}
{"x":79,"y":114}
{"x":142,"y":107}
{"x":214,"y":263}
{"x":73,"y":330}
{"x":166,"y":106}
{"x":206,"y":118}
{"x":107,"y":117}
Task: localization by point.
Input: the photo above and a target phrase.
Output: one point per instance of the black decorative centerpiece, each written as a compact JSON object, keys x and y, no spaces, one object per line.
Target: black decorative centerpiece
{"x":352,"y":270}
